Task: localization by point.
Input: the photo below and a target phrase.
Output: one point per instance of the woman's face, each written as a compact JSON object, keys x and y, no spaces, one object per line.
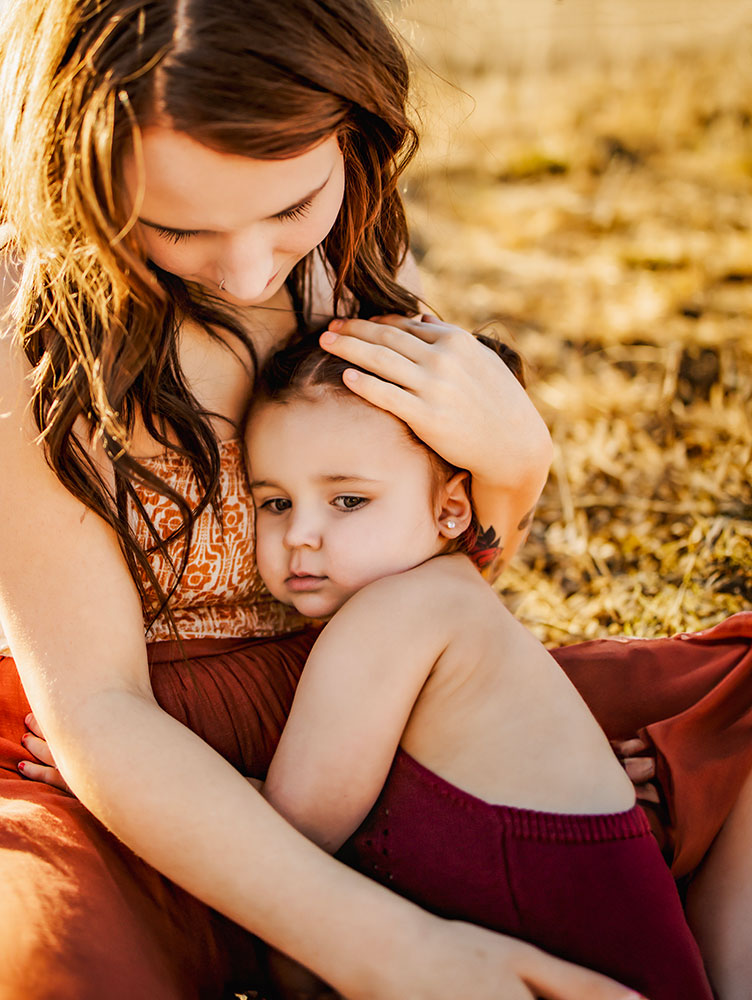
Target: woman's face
{"x":224,"y":220}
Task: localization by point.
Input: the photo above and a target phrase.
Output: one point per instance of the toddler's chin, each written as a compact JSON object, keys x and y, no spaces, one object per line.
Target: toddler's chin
{"x":316,"y":606}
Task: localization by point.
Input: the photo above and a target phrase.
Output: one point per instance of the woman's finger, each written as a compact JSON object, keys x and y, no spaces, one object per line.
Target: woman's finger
{"x":628,"y":748}
{"x":639,"y":769}
{"x":423,"y":327}
{"x":401,"y":338}
{"x":40,"y":772}
{"x":648,"y":793}
{"x":555,"y":979}
{"x":385,"y":395}
{"x":383,"y":361}
{"x":33,"y":725}
{"x":39,"y":748}
{"x":406,"y":328}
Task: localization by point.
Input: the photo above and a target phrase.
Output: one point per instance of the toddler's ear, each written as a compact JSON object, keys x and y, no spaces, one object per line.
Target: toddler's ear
{"x":454,"y":506}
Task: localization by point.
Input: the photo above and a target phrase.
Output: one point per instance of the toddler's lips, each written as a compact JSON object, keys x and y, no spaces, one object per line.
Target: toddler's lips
{"x":298,"y":583}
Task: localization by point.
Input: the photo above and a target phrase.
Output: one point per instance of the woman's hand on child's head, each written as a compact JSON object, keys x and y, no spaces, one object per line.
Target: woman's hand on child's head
{"x":43,"y":767}
{"x":455,"y":394}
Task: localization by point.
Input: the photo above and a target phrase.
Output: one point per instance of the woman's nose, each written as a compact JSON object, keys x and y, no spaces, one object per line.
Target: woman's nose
{"x":247,"y":264}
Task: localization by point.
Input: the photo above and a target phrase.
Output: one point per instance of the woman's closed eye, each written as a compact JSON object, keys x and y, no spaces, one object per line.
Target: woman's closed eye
{"x":175,"y":235}
{"x":297,"y":212}
{"x":346,"y":501}
{"x":181,"y":235}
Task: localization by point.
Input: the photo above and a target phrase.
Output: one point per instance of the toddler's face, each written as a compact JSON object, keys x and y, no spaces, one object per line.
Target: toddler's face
{"x":343,"y":497}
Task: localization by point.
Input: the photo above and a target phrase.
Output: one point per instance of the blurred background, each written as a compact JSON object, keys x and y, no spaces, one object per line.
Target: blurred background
{"x":586,"y":180}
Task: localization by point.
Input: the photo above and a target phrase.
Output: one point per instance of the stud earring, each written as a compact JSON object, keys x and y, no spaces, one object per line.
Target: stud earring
{"x":451,"y":524}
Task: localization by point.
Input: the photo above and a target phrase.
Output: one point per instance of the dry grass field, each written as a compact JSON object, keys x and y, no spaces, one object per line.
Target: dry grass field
{"x":586,"y":180}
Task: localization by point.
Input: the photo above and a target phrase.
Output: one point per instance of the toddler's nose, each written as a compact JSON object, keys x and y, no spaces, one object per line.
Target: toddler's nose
{"x":302,"y":532}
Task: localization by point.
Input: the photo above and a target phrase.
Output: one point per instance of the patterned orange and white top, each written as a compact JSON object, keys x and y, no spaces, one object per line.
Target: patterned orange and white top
{"x":221,"y":594}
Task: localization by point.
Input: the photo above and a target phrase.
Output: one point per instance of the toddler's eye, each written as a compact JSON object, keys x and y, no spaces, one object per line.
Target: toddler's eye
{"x":346,"y":502}
{"x":276,"y":505}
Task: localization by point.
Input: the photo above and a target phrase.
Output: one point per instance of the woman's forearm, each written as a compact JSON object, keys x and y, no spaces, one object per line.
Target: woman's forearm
{"x":199,"y":823}
{"x":505,"y":508}
{"x":188,"y":813}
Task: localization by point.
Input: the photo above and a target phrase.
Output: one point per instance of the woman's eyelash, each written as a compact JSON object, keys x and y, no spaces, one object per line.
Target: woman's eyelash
{"x":176,"y":235}
{"x":299,"y":212}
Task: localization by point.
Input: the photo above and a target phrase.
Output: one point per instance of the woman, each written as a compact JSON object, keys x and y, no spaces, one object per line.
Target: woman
{"x":169,"y":169}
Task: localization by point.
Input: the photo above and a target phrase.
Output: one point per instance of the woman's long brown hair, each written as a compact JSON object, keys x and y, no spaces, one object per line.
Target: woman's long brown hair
{"x":98,"y":322}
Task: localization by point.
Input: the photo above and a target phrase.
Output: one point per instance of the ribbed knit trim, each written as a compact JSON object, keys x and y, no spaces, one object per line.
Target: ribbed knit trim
{"x":535,"y":824}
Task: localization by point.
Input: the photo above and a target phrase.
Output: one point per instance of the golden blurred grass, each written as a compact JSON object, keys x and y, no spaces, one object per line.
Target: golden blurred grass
{"x":598,"y":202}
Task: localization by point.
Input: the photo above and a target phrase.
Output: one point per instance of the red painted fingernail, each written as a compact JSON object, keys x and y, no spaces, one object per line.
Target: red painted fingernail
{"x":21,"y":765}
{"x":23,"y":738}
{"x":336,"y":324}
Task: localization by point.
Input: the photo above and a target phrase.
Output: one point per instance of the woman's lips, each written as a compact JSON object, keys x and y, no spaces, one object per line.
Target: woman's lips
{"x":303,"y":583}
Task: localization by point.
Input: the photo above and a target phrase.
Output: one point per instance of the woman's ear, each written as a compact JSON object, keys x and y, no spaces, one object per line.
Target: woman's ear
{"x":454,"y":508}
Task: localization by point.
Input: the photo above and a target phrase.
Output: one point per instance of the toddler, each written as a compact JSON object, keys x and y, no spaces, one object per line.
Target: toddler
{"x":433,"y":742}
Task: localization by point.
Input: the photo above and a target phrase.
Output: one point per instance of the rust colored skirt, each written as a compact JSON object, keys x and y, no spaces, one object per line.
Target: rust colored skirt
{"x":690,"y":698}
{"x":83,"y":918}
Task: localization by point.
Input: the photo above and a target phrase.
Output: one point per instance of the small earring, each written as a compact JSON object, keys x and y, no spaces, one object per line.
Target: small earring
{"x":222,"y":285}
{"x":451,"y":524}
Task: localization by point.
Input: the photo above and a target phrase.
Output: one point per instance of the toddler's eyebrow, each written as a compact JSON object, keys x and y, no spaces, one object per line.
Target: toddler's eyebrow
{"x":331,"y":478}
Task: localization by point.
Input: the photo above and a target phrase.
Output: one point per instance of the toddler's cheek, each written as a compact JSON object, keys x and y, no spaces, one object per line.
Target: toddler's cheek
{"x":268,"y":567}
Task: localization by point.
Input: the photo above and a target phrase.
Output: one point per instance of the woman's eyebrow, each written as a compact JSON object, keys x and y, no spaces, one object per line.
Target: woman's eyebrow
{"x":283,"y":211}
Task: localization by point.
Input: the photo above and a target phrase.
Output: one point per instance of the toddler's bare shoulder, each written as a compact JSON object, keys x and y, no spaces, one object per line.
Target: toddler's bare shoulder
{"x":441,"y":587}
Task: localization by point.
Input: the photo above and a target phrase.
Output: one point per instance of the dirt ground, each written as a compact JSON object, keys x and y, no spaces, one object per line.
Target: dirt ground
{"x":586,"y":181}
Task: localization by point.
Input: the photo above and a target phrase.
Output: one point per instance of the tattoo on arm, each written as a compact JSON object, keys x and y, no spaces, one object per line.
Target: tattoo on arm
{"x":485,"y":550}
{"x":527,"y":520}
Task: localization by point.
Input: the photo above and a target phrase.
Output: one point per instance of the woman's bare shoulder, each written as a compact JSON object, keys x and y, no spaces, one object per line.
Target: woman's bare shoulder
{"x":68,"y":606}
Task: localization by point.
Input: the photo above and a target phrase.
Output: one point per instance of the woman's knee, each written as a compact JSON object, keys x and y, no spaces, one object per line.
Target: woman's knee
{"x":719,"y":903}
